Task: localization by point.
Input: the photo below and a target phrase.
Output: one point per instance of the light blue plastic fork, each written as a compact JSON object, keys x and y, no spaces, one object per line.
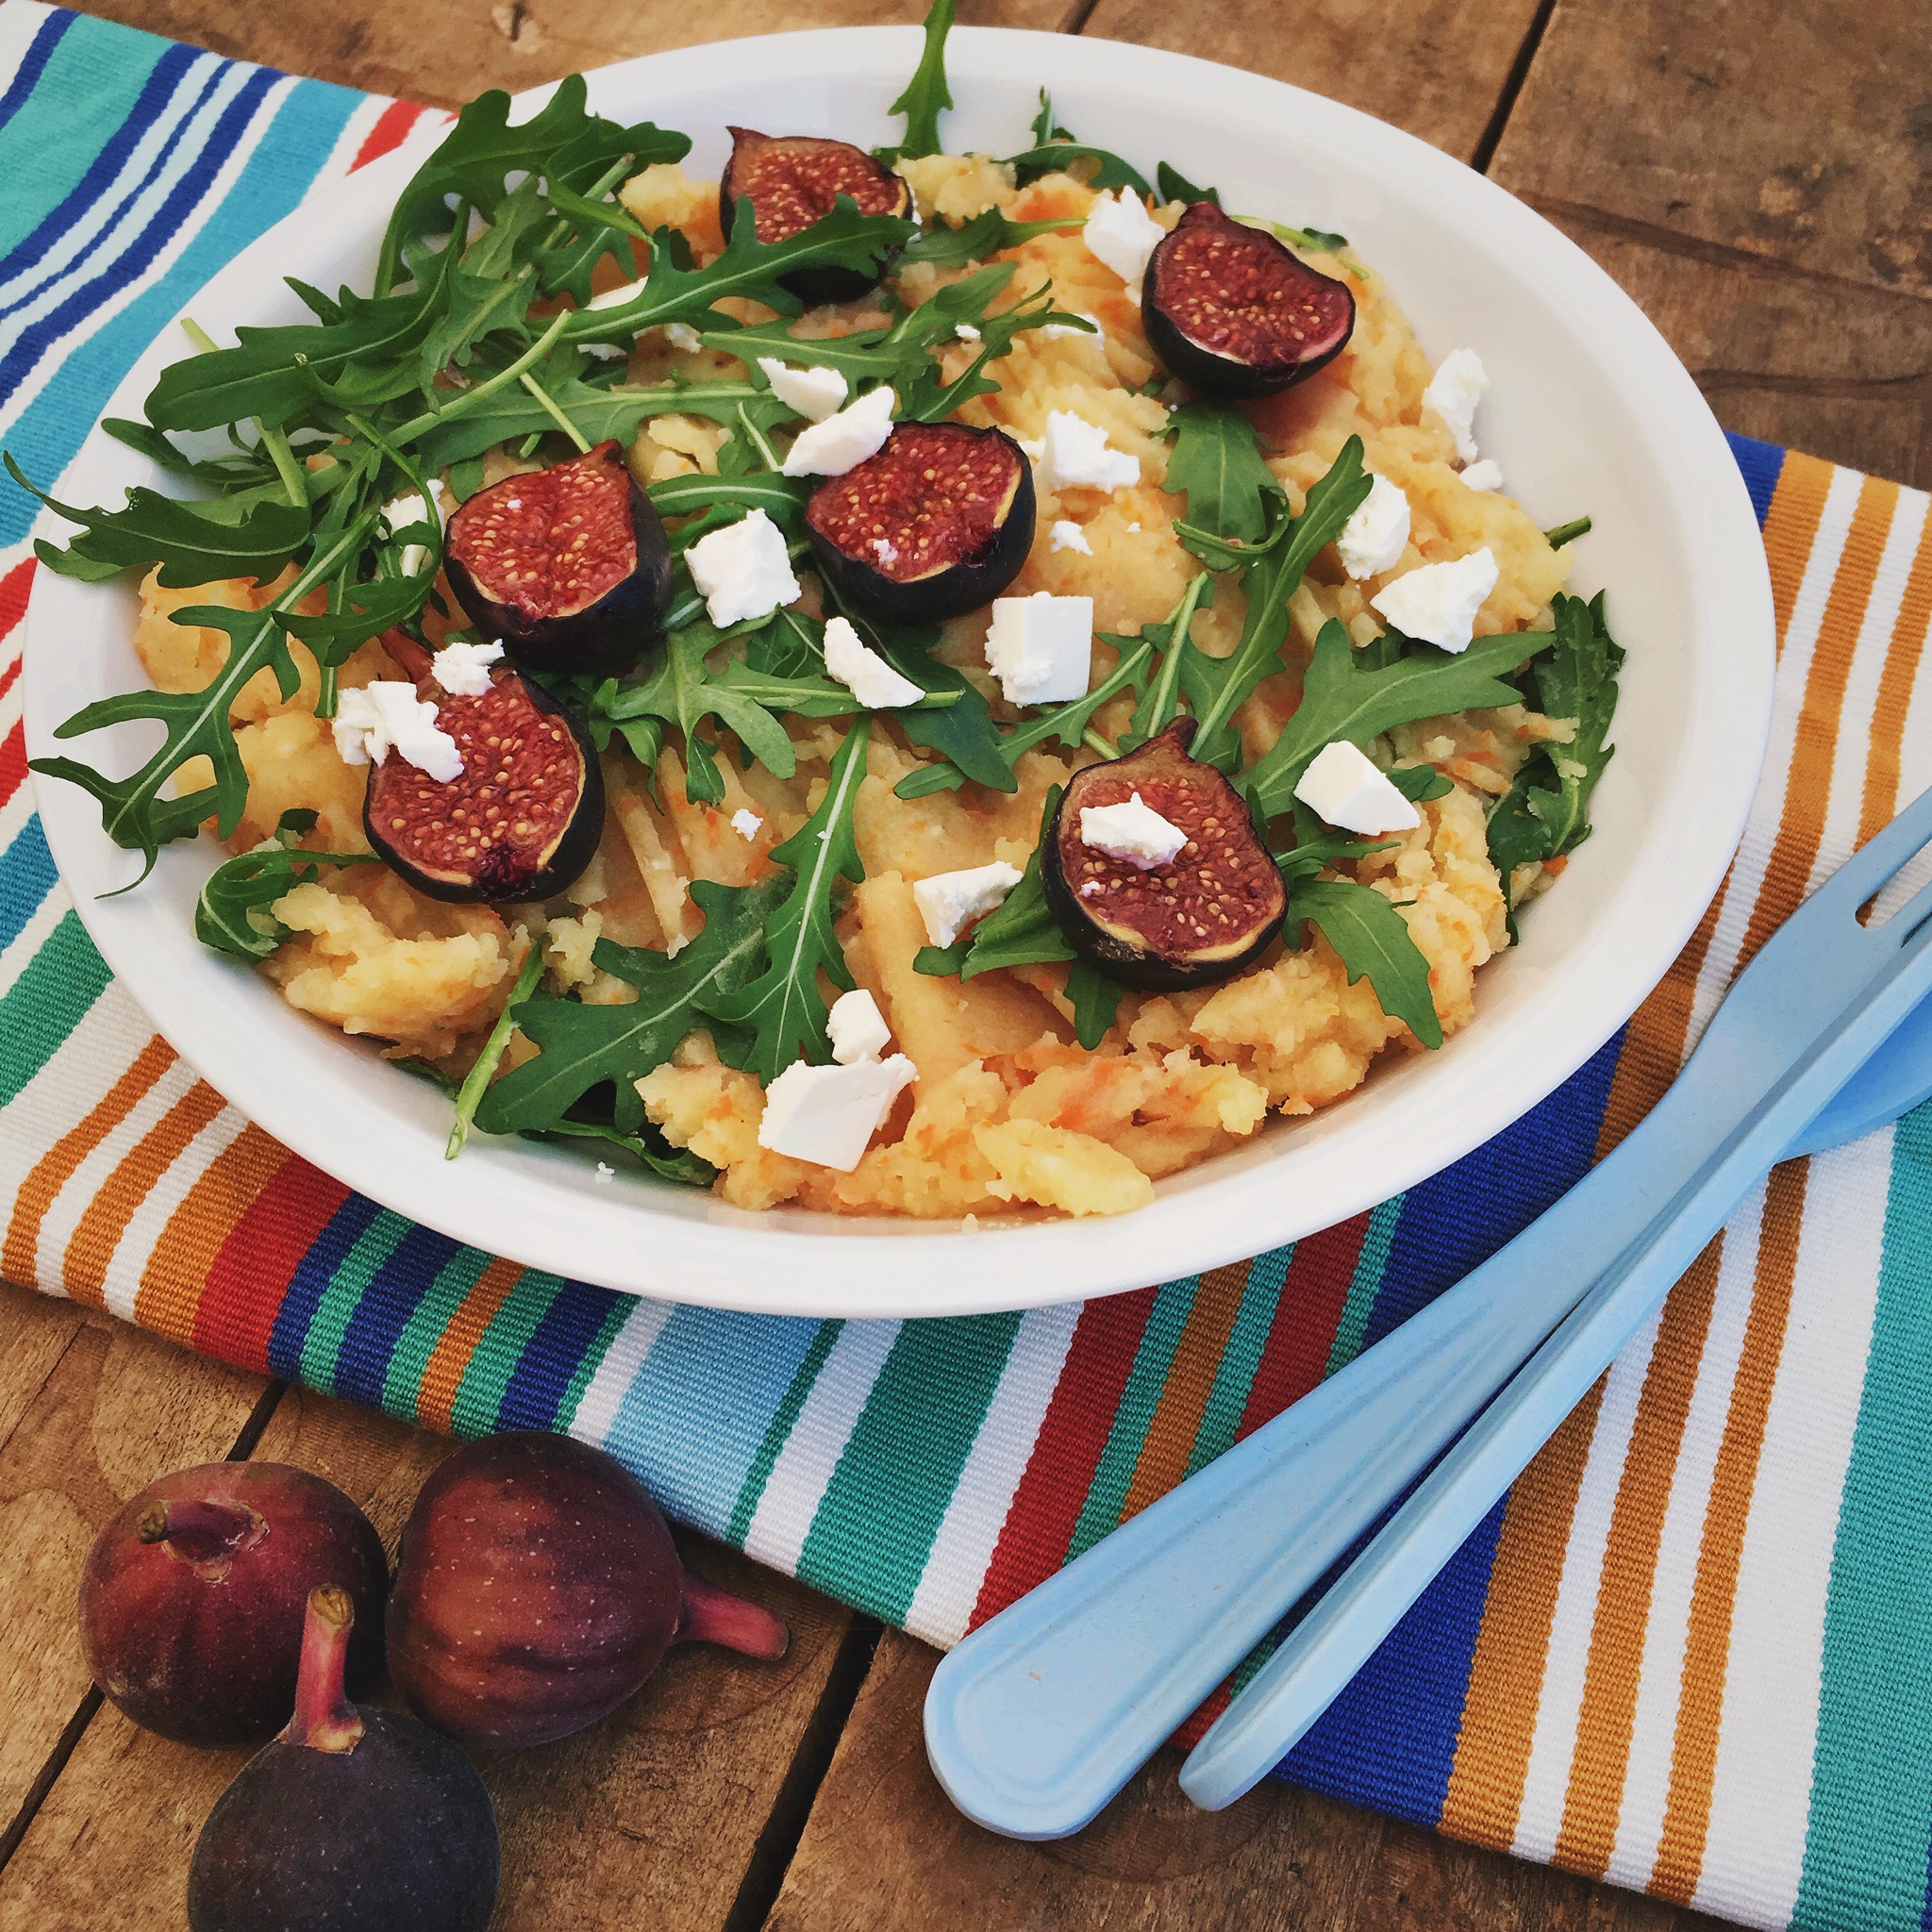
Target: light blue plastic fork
{"x":1040,"y":1716}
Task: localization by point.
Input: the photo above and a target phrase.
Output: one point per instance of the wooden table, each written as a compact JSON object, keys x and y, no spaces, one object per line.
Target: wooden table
{"x":1758,"y":173}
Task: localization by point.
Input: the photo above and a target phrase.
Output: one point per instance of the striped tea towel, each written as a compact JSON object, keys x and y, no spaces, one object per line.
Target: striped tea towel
{"x":1692,"y":1652}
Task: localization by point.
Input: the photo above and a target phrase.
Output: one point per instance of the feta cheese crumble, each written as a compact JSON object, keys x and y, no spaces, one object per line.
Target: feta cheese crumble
{"x":1344,"y":786}
{"x":826,"y":1115}
{"x":863,"y":672}
{"x":814,"y":393}
{"x":680,"y":335}
{"x":1052,"y":331}
{"x":1439,"y":603}
{"x":613,"y":298}
{"x":743,"y":570}
{"x":951,"y":901}
{"x":856,"y":1029}
{"x":745,"y":822}
{"x":1373,"y":539}
{"x":462,"y":668}
{"x":1121,"y":233}
{"x":1132,"y":831}
{"x":405,"y":512}
{"x":1041,"y":647}
{"x":843,"y":442}
{"x":381,"y":718}
{"x":967,"y":333}
{"x":1454,"y":391}
{"x":1069,"y":536}
{"x":1076,"y":455}
{"x":885,"y":551}
{"x":1486,"y":474}
{"x":606,"y":1174}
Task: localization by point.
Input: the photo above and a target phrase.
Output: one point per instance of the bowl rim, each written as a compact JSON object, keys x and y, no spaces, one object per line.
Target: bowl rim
{"x":802,"y":1263}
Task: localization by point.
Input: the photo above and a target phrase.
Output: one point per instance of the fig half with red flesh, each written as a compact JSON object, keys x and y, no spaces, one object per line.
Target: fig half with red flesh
{"x":794,"y":181}
{"x":935,"y":525}
{"x":570,"y":566}
{"x":521,"y":820}
{"x":1233,"y":312}
{"x":1201,"y":917}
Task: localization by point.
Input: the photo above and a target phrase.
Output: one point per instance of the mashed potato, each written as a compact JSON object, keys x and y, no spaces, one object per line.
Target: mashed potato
{"x":1008,"y":1113}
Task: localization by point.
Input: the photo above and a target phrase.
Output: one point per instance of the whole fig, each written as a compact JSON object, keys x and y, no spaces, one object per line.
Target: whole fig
{"x":351,"y":1820}
{"x":192,"y":1598}
{"x":537,"y":1587}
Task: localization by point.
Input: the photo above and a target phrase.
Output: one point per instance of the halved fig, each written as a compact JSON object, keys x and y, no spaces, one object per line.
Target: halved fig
{"x":1201,"y":917}
{"x":935,"y":525}
{"x":568,"y":566}
{"x":520,"y":822}
{"x":792,"y":182}
{"x":1232,"y":311}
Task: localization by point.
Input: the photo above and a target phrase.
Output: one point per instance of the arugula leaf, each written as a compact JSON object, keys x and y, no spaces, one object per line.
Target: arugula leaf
{"x":1174,"y":185}
{"x":1372,"y":938}
{"x":927,"y":398}
{"x":1567,"y":533}
{"x":1067,"y":723}
{"x":1216,"y":463}
{"x":1420,"y":783}
{"x":477,"y":1081}
{"x":1342,"y":700}
{"x":232,"y":913}
{"x":1052,"y":157}
{"x":1314,"y":240}
{"x":985,"y":235}
{"x":1022,"y":931}
{"x":926,"y":97}
{"x":1218,"y":686}
{"x":582,"y":1047}
{"x":1161,"y":702}
{"x":194,"y":543}
{"x":783,"y":1006}
{"x":135,"y":811}
{"x":1545,"y":813}
{"x":782,"y":498}
{"x":646,"y":1147}
{"x":1045,"y":129}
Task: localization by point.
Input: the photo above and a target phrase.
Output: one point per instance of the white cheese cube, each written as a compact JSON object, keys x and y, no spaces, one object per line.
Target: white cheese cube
{"x":680,"y":335}
{"x":1069,"y":536}
{"x":1454,"y":391}
{"x":388,"y":716}
{"x":863,"y":672}
{"x":814,"y":393}
{"x":743,"y":570}
{"x":1438,"y":604}
{"x":1374,"y":537}
{"x":951,"y":901}
{"x":967,"y":333}
{"x":1486,"y":474}
{"x":843,"y":442}
{"x":826,"y":1115}
{"x":1132,"y":831}
{"x":1076,"y":455}
{"x":463,"y":669}
{"x":616,"y":298}
{"x":856,"y":1029}
{"x":1120,"y":232}
{"x":745,"y":823}
{"x":1344,"y":786}
{"x":1041,"y":647}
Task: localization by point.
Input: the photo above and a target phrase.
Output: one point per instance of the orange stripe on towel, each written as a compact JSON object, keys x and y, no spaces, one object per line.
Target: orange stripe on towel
{"x":18,"y":1259}
{"x":1902,"y":652}
{"x":1176,"y":1421}
{"x":443,"y":1373}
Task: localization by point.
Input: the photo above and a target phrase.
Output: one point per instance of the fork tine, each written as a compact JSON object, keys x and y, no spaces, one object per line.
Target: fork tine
{"x":1863,"y":875}
{"x":1910,"y":917}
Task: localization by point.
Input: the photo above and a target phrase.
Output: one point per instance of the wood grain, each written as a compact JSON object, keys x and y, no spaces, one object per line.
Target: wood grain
{"x":445,"y":51}
{"x":90,"y":1411}
{"x":885,"y":1848}
{"x":1797,"y":131}
{"x":655,"y":1814}
{"x":1435,"y":67}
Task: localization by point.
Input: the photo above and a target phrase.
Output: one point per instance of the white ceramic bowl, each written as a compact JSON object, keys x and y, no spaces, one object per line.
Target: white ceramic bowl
{"x":1588,"y":410}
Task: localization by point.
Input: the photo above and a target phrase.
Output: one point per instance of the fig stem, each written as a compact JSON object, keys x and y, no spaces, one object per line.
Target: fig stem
{"x":201,"y":1530}
{"x":325,"y":1720}
{"x":715,"y":1616}
{"x":549,"y":407}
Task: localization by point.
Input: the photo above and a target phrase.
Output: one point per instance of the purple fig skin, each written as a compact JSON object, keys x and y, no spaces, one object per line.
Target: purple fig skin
{"x":538,"y":1588}
{"x":195,"y":1633}
{"x":352,"y":1820}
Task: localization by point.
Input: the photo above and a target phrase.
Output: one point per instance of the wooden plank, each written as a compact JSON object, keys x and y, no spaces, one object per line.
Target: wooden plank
{"x":653,"y":1816}
{"x":1434,"y":66}
{"x":445,"y":51}
{"x":91,"y":1412}
{"x":1799,"y":133}
{"x":884,"y":1847}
